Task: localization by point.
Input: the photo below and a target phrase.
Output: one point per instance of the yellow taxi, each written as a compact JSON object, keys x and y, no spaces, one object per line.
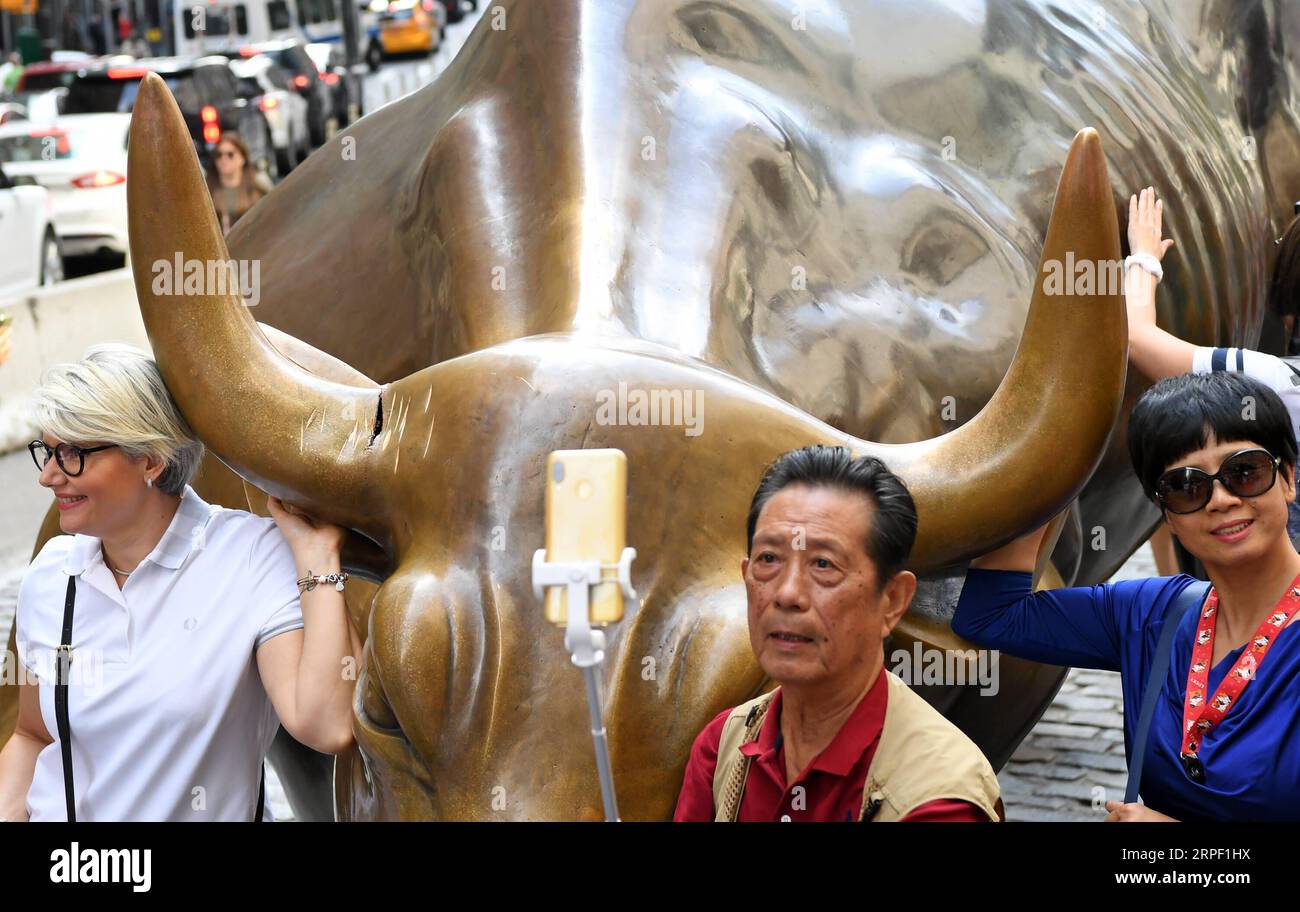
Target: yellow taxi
{"x":409,"y":27}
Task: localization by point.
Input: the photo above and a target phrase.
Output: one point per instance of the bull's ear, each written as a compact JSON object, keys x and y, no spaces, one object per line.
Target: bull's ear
{"x":1032,"y":448}
{"x":294,"y":433}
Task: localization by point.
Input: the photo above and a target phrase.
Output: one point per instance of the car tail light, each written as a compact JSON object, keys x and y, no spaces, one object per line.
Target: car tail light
{"x":330,"y":78}
{"x":248,"y":51}
{"x":300,"y":81}
{"x":211,"y":129}
{"x":96,"y":179}
{"x":126,"y":72}
{"x":62,"y":147}
{"x":267,"y":104}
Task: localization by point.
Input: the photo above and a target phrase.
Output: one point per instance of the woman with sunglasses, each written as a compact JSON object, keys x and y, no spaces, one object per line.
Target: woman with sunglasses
{"x":191,"y":643}
{"x":234,"y":184}
{"x":1216,"y":452}
{"x":1158,"y":353}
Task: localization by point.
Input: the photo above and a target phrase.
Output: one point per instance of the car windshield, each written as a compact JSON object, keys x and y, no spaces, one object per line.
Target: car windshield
{"x":108,"y":93}
{"x":41,"y":106}
{"x":291,"y":62}
{"x":320,"y":55}
{"x":54,"y":142}
{"x":40,"y":82}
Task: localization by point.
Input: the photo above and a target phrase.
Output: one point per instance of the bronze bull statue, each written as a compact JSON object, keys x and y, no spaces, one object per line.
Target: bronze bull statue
{"x":825,"y":225}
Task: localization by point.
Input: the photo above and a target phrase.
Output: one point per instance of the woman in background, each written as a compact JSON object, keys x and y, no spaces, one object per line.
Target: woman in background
{"x":233,"y":183}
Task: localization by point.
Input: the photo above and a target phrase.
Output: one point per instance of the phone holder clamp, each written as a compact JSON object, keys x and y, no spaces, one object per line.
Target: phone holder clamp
{"x":586,"y":645}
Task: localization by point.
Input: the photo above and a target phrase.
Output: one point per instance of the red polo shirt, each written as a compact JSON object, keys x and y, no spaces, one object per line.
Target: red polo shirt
{"x":829,"y":789}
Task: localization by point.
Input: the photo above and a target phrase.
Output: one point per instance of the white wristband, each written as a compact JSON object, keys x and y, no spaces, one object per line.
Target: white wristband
{"x":1146,"y":261}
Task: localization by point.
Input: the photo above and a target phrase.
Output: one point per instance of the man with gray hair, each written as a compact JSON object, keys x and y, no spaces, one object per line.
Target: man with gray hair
{"x":841,"y":738}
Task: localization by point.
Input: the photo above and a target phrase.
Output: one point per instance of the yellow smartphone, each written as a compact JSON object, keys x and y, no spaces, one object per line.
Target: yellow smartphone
{"x":586,"y":519}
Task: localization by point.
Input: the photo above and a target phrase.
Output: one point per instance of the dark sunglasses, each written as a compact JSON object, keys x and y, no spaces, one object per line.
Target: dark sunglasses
{"x":71,"y":459}
{"x":1247,"y":473}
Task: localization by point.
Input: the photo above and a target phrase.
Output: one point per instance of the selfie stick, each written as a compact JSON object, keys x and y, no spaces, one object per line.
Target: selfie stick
{"x":587,"y":646}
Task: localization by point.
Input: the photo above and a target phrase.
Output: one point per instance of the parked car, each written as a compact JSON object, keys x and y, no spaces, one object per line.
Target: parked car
{"x":32,"y":254}
{"x":206,"y":91}
{"x":292,"y":57}
{"x":410,"y":27}
{"x":264,"y":83}
{"x":43,"y":76}
{"x":81,"y":161}
{"x":345,"y":86}
{"x":456,"y":9}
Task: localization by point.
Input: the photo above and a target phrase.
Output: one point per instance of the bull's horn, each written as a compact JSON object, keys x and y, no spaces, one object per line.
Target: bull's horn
{"x":1032,"y":448}
{"x":291,"y":433}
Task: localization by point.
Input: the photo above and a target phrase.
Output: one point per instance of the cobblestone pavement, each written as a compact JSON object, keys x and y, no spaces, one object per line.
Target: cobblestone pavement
{"x":1069,"y":766}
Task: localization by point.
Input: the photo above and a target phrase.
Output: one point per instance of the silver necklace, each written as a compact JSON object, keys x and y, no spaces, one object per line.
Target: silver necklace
{"x":114,"y":569}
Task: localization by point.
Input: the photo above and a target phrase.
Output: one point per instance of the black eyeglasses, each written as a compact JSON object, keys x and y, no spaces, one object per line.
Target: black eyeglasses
{"x":71,"y":459}
{"x":1247,"y":473}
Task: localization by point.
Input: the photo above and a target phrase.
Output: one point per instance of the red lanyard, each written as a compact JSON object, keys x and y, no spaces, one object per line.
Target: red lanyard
{"x":1201,"y":715}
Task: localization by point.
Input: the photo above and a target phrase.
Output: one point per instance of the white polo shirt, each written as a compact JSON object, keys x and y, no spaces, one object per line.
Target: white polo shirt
{"x":168,"y":715}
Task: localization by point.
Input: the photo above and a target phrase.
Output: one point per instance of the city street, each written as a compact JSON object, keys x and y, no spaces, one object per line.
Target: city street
{"x":25,"y":502}
{"x":396,"y":77}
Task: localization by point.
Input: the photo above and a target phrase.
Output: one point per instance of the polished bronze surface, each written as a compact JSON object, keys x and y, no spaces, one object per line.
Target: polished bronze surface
{"x":466,"y":708}
{"x":831,"y":232}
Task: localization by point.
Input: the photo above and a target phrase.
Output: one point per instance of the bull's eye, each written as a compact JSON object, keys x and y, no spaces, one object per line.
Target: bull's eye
{"x":942,"y":249}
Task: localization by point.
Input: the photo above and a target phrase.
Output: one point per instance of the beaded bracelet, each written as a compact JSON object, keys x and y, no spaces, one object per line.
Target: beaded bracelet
{"x":309,"y":582}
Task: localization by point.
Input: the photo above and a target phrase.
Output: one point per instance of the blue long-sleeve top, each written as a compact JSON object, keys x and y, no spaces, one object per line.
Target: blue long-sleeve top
{"x":1251,"y":758}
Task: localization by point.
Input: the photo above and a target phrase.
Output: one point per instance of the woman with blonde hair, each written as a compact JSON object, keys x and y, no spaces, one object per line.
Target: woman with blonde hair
{"x":234,"y":184}
{"x":190,"y":642}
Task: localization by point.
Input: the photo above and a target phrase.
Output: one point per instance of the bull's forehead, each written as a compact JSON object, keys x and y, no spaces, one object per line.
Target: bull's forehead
{"x":754,"y":198}
{"x":713,"y":176}
{"x":836,"y":200}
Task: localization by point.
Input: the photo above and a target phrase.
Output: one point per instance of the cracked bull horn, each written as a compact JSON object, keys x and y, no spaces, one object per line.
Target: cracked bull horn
{"x":288,"y":431}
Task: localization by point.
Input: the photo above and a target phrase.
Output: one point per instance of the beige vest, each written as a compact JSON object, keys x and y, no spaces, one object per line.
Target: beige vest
{"x":921,"y":757}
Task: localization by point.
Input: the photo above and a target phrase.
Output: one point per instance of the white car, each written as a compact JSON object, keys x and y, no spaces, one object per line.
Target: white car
{"x":31,"y":248}
{"x":81,"y":160}
{"x":262,"y":80}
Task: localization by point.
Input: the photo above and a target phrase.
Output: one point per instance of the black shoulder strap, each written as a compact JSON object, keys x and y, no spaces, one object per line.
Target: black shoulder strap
{"x":261,"y":796}
{"x":61,"y":699}
{"x":1191,"y":596}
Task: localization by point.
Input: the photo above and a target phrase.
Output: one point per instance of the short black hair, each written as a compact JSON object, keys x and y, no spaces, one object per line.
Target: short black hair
{"x":1177,"y":416}
{"x":891,"y":531}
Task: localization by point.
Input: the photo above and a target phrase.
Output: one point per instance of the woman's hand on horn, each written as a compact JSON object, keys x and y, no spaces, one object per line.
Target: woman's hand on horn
{"x":307,"y":536}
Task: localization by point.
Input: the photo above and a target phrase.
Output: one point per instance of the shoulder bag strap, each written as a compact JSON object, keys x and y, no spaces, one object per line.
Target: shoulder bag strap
{"x":261,"y":796}
{"x":1191,"y":596}
{"x":61,"y":699}
{"x":734,"y":789}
